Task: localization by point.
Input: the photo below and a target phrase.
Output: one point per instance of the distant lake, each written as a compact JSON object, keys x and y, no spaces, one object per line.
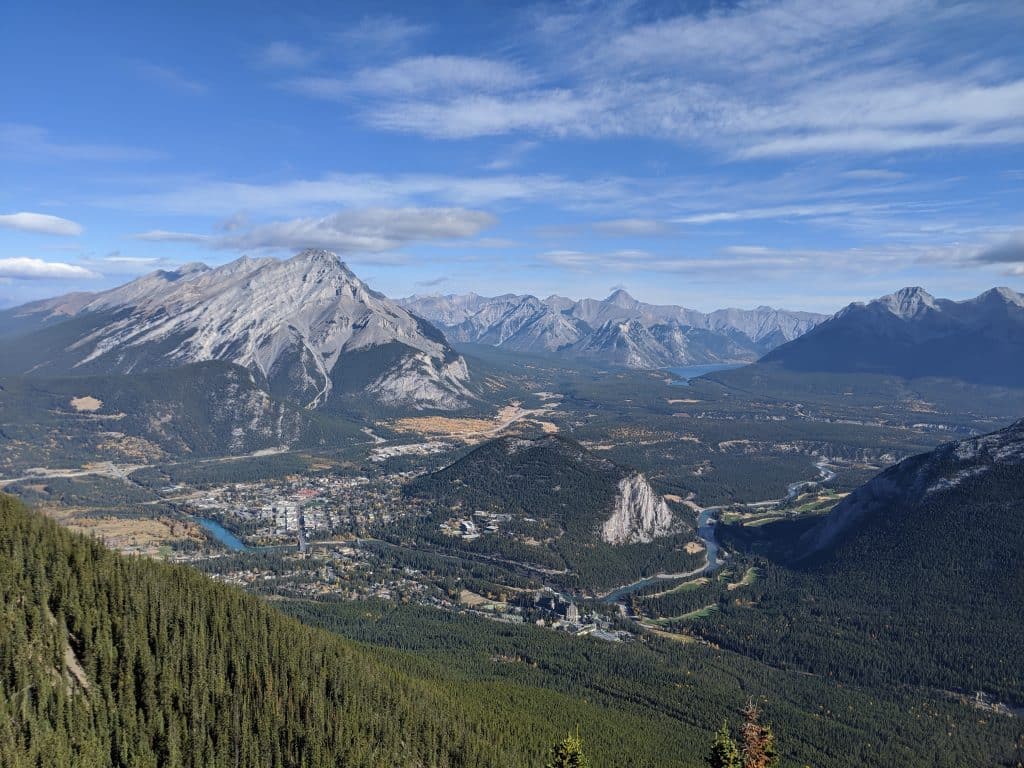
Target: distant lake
{"x":222,"y":534}
{"x":688,"y":372}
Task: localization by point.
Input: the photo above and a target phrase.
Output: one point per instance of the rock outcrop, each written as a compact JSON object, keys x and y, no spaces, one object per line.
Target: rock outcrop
{"x":640,"y":515}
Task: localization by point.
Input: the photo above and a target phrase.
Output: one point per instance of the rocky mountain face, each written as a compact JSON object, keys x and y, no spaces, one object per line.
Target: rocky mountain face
{"x":617,"y":330}
{"x":205,"y":409}
{"x":912,"y":334}
{"x":640,"y":516}
{"x":519,"y":323}
{"x":937,"y":478}
{"x":303,"y":326}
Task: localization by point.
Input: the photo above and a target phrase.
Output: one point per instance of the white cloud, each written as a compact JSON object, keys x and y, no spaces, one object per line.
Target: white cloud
{"x":36,"y":269}
{"x":440,"y":73}
{"x":558,"y":112}
{"x":371,"y":230}
{"x":131,"y":260}
{"x":873,"y":174}
{"x":808,"y":210}
{"x":511,"y":156}
{"x":777,"y":264}
{"x":754,"y":79}
{"x":387,"y":32}
{"x":165,"y":236}
{"x":624,"y":259}
{"x":298,"y":196}
{"x":1010,"y":251}
{"x":40,"y":223}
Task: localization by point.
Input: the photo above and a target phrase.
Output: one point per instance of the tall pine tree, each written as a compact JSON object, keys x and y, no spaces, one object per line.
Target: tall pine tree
{"x":568,"y":753}
{"x":724,"y":752}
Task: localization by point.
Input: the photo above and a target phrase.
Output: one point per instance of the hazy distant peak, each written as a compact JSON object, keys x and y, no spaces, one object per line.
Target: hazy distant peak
{"x":908,"y":302}
{"x":559,"y":303}
{"x":191,"y":267}
{"x":1004,"y":294}
{"x":621,"y":298}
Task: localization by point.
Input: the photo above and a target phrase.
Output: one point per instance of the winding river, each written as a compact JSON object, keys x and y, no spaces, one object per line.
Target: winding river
{"x":706,"y":522}
{"x":706,"y":533}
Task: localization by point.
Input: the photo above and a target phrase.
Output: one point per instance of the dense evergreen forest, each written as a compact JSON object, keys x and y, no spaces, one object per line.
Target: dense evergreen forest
{"x":558,"y":494}
{"x":113,"y":661}
{"x":107,"y":660}
{"x":658,"y":700}
{"x":928,"y":592}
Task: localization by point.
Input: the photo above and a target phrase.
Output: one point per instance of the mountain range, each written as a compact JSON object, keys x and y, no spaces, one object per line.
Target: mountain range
{"x":618,"y":330}
{"x":306,"y":327}
{"x":911,"y":334}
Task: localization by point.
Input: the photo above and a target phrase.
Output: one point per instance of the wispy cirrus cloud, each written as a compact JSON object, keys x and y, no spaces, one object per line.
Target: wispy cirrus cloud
{"x":772,"y":262}
{"x":416,"y":76}
{"x":618,"y":206}
{"x":367,"y":231}
{"x":873,"y":174}
{"x":806,"y":210}
{"x":227,"y":198}
{"x":754,"y":79}
{"x":635,"y":227}
{"x":168,"y":236}
{"x":383,"y":32}
{"x":40,"y":223}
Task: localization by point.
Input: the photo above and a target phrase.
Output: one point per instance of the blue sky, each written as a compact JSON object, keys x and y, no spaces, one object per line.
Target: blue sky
{"x":796,"y":153}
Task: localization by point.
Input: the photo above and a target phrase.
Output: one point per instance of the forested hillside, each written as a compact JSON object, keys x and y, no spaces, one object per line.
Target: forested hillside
{"x":202,"y":410}
{"x":915,"y":579}
{"x":557,"y":494}
{"x":108,"y":660}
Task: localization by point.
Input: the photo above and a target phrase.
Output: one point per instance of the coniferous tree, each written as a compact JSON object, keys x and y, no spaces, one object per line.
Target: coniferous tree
{"x":724,"y":752}
{"x":568,"y":753}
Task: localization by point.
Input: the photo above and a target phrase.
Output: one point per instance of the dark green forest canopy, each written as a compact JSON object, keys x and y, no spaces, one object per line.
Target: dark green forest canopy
{"x":928,"y":590}
{"x":110,"y":660}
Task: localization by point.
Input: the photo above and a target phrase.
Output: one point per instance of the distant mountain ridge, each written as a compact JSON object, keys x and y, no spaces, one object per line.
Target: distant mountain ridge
{"x":307,"y":326}
{"x":912,"y":334}
{"x":618,"y":330}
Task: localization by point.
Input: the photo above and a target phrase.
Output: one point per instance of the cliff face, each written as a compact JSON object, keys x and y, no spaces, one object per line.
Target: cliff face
{"x":639,"y":515}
